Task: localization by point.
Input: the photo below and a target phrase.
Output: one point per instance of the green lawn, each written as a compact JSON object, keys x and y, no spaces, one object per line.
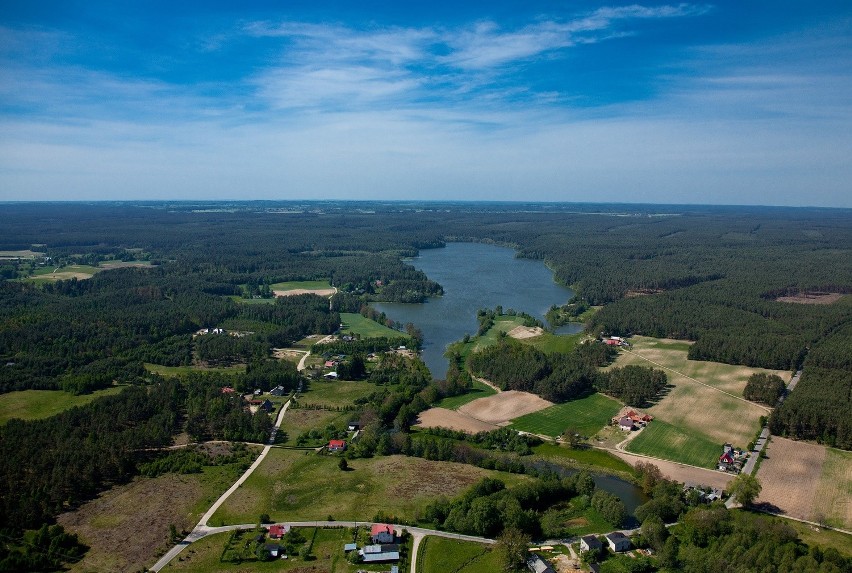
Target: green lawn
{"x":550,"y":343}
{"x":307,"y":285}
{"x":586,"y":416}
{"x":335,"y":392}
{"x":583,"y":457}
{"x":441,"y":555}
{"x":366,"y":328}
{"x":38,"y":404}
{"x":299,"y":485}
{"x":479,"y":390}
{"x":180,"y":370}
{"x":684,"y":445}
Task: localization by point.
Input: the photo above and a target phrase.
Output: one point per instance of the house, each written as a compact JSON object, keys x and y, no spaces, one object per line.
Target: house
{"x":267,"y":406}
{"x":726,"y":461}
{"x":590,"y":543}
{"x":273,"y":549}
{"x":611,"y":342}
{"x":352,"y":426}
{"x":227,"y":390}
{"x":330,"y":375}
{"x":337,"y":446}
{"x":538,"y":565}
{"x":382,"y":533}
{"x":379,"y":553}
{"x":278,"y":391}
{"x":330,"y":363}
{"x":278,"y":531}
{"x":625,"y":424}
{"x":618,"y":541}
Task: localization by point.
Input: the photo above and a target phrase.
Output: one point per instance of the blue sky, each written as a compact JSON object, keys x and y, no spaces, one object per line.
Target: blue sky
{"x":725,"y":103}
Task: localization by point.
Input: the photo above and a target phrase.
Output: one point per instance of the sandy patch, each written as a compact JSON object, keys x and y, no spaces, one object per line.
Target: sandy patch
{"x":790,"y":475}
{"x":288,"y":354}
{"x":522,"y":332}
{"x":679,"y":472}
{"x":501,"y":408}
{"x":295,"y":291}
{"x":443,"y":418}
{"x":812,"y":298}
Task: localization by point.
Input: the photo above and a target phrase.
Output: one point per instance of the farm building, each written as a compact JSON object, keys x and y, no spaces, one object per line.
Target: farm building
{"x":382,"y":533}
{"x":618,"y":541}
{"x":380,"y":553}
{"x":330,"y":375}
{"x":336,"y":445}
{"x":354,"y":425}
{"x":278,"y":391}
{"x":538,"y":565}
{"x":273,"y":549}
{"x":590,"y":543}
{"x":350,"y":547}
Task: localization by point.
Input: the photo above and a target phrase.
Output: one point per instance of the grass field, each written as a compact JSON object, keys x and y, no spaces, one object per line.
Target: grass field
{"x":678,"y":444}
{"x":180,"y":370}
{"x":584,"y":457}
{"x":50,"y":274}
{"x":550,"y":343}
{"x":833,"y":499}
{"x":586,"y":416}
{"x":294,"y":485}
{"x":335,"y":393}
{"x":298,"y":420}
{"x":38,"y":404}
{"x":478,"y":390}
{"x":441,"y":555}
{"x":704,"y":400}
{"x":307,"y":285}
{"x":823,"y":538}
{"x":366,"y":328}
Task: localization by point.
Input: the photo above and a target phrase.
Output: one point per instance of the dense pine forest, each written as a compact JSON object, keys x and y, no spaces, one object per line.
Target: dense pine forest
{"x":732,"y":279}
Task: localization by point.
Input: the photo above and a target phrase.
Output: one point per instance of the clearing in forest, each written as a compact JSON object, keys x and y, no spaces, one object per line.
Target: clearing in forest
{"x":705,"y":398}
{"x":366,"y":328}
{"x":38,"y":404}
{"x":292,"y":288}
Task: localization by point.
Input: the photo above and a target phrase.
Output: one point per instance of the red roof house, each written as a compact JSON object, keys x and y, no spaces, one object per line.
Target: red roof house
{"x":336,"y":445}
{"x":726,"y":458}
{"x":382,"y":533}
{"x":278,"y":531}
{"x":227,"y":390}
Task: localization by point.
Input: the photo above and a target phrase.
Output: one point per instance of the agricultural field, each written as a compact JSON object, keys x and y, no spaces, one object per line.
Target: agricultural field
{"x":51,"y":274}
{"x":452,"y":420}
{"x":441,"y":555}
{"x":586,"y":416}
{"x":38,"y":404}
{"x":297,"y":485}
{"x":807,"y":481}
{"x":503,"y":407}
{"x":704,"y":401}
{"x":478,"y":390}
{"x":366,"y":328}
{"x":680,"y":444}
{"x":128,"y":526}
{"x":301,"y":285}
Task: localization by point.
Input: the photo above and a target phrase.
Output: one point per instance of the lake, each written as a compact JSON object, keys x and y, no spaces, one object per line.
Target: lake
{"x":474,"y":276}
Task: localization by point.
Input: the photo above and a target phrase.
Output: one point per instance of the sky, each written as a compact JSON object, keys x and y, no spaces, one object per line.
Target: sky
{"x":734,"y":102}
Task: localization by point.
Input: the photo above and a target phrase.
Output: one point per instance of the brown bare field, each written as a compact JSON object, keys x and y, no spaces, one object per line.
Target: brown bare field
{"x":295,"y":291}
{"x":790,"y":475}
{"x":812,"y":298}
{"x":522,"y":332}
{"x":453,"y":420}
{"x":680,"y":472}
{"x":129,"y":525}
{"x":65,"y":275}
{"x":501,"y":408}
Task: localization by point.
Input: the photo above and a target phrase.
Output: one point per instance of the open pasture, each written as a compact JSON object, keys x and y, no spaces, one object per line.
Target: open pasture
{"x":292,"y":288}
{"x":441,"y":555}
{"x":299,"y":420}
{"x":585,"y":416}
{"x":366,"y":328}
{"x":679,"y":444}
{"x":335,"y":392}
{"x":38,"y":404}
{"x":297,"y":485}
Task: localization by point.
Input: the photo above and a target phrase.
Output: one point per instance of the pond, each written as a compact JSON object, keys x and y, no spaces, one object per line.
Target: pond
{"x":475,"y":276}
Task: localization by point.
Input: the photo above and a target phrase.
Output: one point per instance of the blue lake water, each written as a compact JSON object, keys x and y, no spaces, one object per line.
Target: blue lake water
{"x":474,"y":276}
